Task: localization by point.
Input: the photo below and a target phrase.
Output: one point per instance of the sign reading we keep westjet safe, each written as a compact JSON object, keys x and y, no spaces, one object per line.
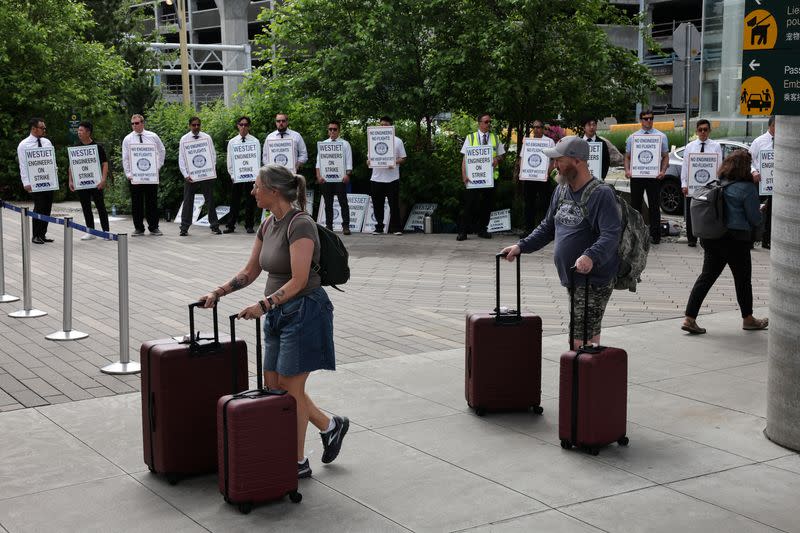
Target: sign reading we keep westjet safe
{"x":770,"y":58}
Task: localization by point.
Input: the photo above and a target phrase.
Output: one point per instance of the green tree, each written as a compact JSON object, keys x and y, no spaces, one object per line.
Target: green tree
{"x":48,"y":68}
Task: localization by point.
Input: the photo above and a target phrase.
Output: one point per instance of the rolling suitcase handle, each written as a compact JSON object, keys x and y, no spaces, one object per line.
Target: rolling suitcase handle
{"x":261,"y":391}
{"x":194,"y":340}
{"x":510,"y":317}
{"x":573,"y":287}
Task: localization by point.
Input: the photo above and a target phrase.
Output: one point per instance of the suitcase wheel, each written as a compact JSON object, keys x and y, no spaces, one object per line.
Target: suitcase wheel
{"x":479,"y":411}
{"x":623,"y":441}
{"x":245,"y":508}
{"x":566,"y":444}
{"x":172,"y":479}
{"x":151,"y":469}
{"x":295,"y":497}
{"x":538,"y":409}
{"x":593,"y":451}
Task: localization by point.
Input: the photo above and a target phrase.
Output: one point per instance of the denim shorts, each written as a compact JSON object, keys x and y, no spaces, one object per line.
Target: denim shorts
{"x":298,"y":335}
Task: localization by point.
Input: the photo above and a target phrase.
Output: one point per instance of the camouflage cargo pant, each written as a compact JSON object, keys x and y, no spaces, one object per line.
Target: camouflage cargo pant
{"x":598,"y":299}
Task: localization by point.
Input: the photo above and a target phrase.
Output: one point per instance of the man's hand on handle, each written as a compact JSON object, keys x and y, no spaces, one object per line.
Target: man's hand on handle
{"x":511,"y":252}
{"x":584,"y":264}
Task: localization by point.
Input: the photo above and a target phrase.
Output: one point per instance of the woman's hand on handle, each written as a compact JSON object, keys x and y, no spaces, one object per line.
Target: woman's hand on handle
{"x":208,"y":300}
{"x":251,"y":312}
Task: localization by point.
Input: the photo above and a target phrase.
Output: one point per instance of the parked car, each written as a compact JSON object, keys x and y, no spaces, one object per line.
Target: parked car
{"x":671,"y":196}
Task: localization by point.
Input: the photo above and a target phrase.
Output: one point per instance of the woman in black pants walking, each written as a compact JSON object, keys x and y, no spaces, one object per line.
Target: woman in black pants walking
{"x":742,"y":215}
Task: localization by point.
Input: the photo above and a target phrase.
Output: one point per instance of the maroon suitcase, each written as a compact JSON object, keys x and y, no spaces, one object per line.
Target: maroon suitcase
{"x":504,"y":357}
{"x":257,"y":442}
{"x":181,"y":383}
{"x":593,"y":391}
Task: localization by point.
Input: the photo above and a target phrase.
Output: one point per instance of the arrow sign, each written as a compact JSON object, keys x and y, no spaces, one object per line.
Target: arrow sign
{"x":753,"y":64}
{"x":758,"y":2}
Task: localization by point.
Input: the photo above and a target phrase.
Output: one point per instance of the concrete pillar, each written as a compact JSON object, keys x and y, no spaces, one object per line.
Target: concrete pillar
{"x":783,"y":389}
{"x":233,"y":23}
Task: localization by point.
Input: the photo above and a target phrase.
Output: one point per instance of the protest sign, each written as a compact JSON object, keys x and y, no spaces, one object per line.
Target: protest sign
{"x":40,"y":164}
{"x":645,"y":156}
{"x":198,"y":159}
{"x":370,"y":221}
{"x":416,"y":219}
{"x":358,"y":207}
{"x":331,"y":161}
{"x":84,"y":164}
{"x":702,"y":170}
{"x":766,"y":166}
{"x":596,"y":159}
{"x":533,"y":163}
{"x":281,"y":152}
{"x":499,"y":221}
{"x":380,"y":146}
{"x":144,"y":163}
{"x":480,"y":172}
{"x":246,"y":160}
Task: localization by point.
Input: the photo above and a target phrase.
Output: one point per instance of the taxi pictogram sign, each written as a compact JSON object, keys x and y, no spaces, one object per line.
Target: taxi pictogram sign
{"x":760,"y":30}
{"x":757,"y":97}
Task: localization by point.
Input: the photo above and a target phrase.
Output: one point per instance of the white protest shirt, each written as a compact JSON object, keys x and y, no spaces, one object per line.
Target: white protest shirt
{"x":694,"y":147}
{"x":388,"y":175}
{"x":237,"y":140}
{"x":653,"y":131}
{"x":182,"y":150}
{"x":146,"y":137}
{"x":300,"y":152}
{"x":348,"y":153}
{"x":762,"y":142}
{"x":29,"y":142}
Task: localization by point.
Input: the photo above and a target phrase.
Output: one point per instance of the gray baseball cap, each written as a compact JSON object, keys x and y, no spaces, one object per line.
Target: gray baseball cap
{"x":571,"y":146}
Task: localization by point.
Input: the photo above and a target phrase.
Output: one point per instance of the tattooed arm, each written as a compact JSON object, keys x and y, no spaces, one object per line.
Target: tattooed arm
{"x":245,"y":277}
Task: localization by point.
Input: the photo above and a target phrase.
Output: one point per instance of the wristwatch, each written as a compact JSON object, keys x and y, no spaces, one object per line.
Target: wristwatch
{"x":271,"y":302}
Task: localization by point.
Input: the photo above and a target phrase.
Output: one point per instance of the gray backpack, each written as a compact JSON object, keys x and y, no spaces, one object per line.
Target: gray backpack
{"x":634,"y":239}
{"x":708,"y":211}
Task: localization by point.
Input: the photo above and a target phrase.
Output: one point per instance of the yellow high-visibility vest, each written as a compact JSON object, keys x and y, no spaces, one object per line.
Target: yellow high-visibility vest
{"x":475,"y":141}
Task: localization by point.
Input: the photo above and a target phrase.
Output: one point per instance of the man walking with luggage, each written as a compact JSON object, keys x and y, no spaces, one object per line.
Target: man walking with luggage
{"x":144,"y":196}
{"x":650,"y":185}
{"x":585,"y":223}
{"x":192,"y":183}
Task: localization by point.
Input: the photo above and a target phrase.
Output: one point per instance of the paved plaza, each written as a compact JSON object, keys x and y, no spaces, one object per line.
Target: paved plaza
{"x":416,"y":459}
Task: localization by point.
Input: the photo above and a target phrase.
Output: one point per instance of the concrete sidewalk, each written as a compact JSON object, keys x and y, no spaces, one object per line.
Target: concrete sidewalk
{"x":416,"y":459}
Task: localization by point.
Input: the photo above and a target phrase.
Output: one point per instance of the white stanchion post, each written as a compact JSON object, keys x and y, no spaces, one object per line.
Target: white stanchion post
{"x":4,"y":298}
{"x":27,"y":310}
{"x":125,"y":365}
{"x":67,"y":333}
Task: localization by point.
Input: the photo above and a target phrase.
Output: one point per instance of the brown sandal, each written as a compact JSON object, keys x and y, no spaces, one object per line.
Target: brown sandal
{"x":758,"y":323}
{"x":692,"y":327}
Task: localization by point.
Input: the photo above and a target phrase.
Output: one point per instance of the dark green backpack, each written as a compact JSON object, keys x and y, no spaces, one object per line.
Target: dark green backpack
{"x":332,"y":268}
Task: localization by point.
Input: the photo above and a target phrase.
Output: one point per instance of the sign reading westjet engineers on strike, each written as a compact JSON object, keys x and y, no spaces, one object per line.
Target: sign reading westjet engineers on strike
{"x":84,"y":163}
{"x":40,"y":164}
{"x":645,"y":156}
{"x":766,"y":166}
{"x":246,"y":160}
{"x":281,"y":152}
{"x":534,"y":163}
{"x":144,"y":163}
{"x":596,"y":159}
{"x":702,"y":170}
{"x":480,"y":173}
{"x":380,"y":146}
{"x":199,"y":161}
{"x":331,"y":161}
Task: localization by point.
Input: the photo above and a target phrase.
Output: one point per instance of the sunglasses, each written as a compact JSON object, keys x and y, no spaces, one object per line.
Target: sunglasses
{"x":333,"y":129}
{"x":703,"y":129}
{"x":647,"y":118}
{"x":279,"y":120}
{"x":243,"y":125}
{"x":135,"y":123}
{"x":193,"y":125}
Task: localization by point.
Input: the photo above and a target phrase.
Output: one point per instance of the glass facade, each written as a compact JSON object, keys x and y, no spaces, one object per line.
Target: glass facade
{"x":723,"y":23}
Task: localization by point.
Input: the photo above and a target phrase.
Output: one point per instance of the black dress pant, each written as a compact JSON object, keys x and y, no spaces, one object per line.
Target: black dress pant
{"x":86,"y":196}
{"x":42,"y":204}
{"x":339,"y":189}
{"x":652,"y":187}
{"x":766,"y":239}
{"x":239,"y":190}
{"x":206,"y":188}
{"x":476,"y":211}
{"x":536,"y":195}
{"x":717,"y":253}
{"x":379,"y":192}
{"x":687,"y":216}
{"x":144,"y":199}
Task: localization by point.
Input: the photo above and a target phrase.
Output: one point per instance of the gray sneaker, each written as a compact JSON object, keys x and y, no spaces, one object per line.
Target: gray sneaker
{"x":303,"y":470}
{"x":332,"y":440}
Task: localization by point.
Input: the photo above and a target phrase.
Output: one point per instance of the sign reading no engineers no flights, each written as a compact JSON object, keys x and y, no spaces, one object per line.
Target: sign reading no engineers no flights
{"x":771,"y":58}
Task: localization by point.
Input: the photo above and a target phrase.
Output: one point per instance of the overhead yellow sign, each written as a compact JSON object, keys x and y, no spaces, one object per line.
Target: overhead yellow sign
{"x":757,"y":97}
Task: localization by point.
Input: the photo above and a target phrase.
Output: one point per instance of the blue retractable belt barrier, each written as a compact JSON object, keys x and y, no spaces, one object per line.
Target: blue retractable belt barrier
{"x":96,"y":232}
{"x":45,"y":218}
{"x":10,"y":206}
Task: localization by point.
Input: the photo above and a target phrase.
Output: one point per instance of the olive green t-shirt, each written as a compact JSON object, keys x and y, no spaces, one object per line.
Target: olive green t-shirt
{"x":274,"y":258}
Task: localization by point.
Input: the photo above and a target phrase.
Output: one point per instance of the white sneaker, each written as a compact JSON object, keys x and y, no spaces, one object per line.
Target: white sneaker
{"x":376,"y":232}
{"x":88,"y":237}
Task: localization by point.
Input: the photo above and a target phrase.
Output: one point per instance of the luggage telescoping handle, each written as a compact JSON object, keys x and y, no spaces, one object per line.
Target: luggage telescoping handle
{"x":192,"y":339}
{"x":259,"y":355}
{"x":573,"y":287}
{"x":517,"y":315}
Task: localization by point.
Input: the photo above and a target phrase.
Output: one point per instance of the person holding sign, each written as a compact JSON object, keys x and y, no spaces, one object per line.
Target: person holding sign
{"x":585,"y":223}
{"x":698,"y":176}
{"x":334,"y":166}
{"x":764,"y":143}
{"x":536,"y":190}
{"x":143,"y":156}
{"x":590,"y":136}
{"x":283,"y":132}
{"x":646,"y":163}
{"x":244,"y":160}
{"x":37,"y":168}
{"x":89,"y":177}
{"x":478,"y":198}
{"x":197,"y":161}
{"x":385,"y":183}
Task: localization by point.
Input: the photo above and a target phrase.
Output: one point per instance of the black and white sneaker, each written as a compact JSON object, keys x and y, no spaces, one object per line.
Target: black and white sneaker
{"x":332,"y":440}
{"x":303,"y":470}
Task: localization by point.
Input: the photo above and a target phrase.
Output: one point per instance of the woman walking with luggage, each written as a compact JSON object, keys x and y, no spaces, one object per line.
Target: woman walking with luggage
{"x":298,"y":329}
{"x":733,"y":249}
